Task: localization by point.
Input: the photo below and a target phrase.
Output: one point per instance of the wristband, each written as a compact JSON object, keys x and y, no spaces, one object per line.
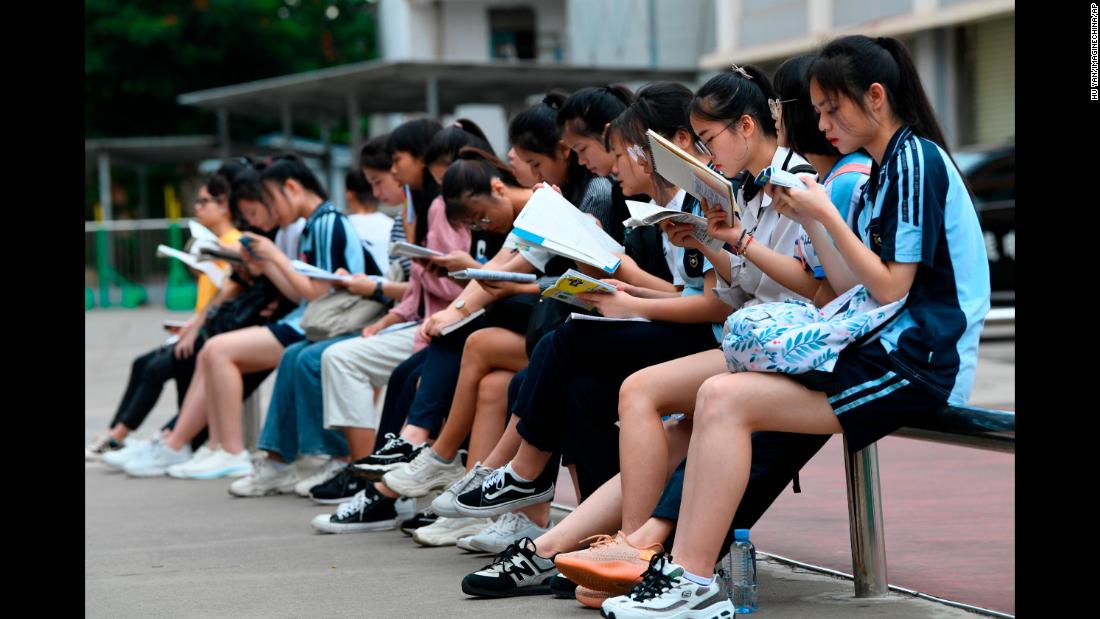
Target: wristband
{"x":378,"y":295}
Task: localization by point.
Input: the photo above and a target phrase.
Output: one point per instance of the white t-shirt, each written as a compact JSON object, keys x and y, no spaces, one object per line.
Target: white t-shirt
{"x":778,"y":233}
{"x":374,"y":231}
{"x":535,"y":256}
{"x":286,"y":239}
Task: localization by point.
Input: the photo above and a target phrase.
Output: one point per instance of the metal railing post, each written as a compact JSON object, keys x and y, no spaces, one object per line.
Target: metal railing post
{"x":865,"y":521}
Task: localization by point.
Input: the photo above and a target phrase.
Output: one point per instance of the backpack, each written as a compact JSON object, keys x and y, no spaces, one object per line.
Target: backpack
{"x":795,"y":337}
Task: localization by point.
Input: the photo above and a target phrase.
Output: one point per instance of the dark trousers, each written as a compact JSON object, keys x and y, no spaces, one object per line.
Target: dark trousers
{"x":776,"y":459}
{"x":400,"y":393}
{"x":606,"y":352}
{"x":148,"y":375}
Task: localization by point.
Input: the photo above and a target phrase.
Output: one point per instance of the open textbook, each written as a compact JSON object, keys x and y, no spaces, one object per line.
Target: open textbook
{"x":200,"y":232}
{"x":493,"y":276}
{"x":211,"y":270}
{"x":693,"y":176}
{"x":408,"y":250}
{"x":645,"y":214}
{"x":551,"y":222}
{"x":572,"y":283}
{"x":313,"y":272}
{"x":458,"y":324}
{"x":212,"y":250}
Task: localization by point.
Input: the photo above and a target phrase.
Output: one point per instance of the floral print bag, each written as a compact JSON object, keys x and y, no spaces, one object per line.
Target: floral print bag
{"x":795,"y":337}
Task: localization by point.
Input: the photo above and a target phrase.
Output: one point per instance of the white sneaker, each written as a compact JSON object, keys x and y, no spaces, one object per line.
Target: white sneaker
{"x":182,"y":471}
{"x":118,"y":459}
{"x":221,"y":463}
{"x":665,"y":593}
{"x":265,"y":479}
{"x":155,"y":461}
{"x":327,"y":471}
{"x":509,"y":528}
{"x":424,"y":474}
{"x":446,"y":531}
{"x":444,"y":504}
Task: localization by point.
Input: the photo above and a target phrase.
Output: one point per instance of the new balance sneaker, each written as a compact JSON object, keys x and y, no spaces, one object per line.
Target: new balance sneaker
{"x":395,"y":452}
{"x":133,"y":449}
{"x":330,"y":469}
{"x":507,"y":529}
{"x":562,"y":587}
{"x":342,"y":487}
{"x":155,"y":461}
{"x":500,"y":493}
{"x":425,"y":473}
{"x":220,"y":464}
{"x":665,"y":593}
{"x":182,"y":471}
{"x":610,"y":564}
{"x":368,"y":510}
{"x":100,"y":445}
{"x":590,"y":597}
{"x":516,"y":571}
{"x":267,"y":478}
{"x":421,"y":519}
{"x":446,"y":531}
{"x":444,"y":504}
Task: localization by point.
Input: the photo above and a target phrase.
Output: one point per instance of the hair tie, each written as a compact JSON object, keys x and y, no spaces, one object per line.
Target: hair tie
{"x":457,"y":124}
{"x":742,"y":71}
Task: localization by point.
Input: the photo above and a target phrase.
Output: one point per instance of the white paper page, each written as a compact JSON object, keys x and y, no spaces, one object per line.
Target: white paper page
{"x":211,"y":270}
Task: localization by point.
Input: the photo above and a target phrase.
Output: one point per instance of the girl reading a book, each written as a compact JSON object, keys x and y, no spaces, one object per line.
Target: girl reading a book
{"x":914,"y":220}
{"x":376,"y":164}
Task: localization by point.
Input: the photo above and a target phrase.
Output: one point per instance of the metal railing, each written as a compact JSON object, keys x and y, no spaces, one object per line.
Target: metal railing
{"x":965,"y":426}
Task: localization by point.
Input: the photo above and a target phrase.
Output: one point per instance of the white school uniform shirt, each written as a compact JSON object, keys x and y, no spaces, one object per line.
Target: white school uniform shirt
{"x":374,"y":230}
{"x":675,"y":204}
{"x":749,"y":285}
{"x":286,"y":239}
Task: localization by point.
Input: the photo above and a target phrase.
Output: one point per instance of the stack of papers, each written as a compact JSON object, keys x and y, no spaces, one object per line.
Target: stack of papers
{"x":313,"y":272}
{"x":408,"y":250}
{"x":551,"y":222}
{"x":493,"y":276}
{"x":644,"y":214}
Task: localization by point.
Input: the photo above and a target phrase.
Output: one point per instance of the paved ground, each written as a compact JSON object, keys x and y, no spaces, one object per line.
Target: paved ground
{"x":186,"y":548}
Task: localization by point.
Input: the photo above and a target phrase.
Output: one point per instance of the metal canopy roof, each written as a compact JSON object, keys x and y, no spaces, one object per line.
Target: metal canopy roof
{"x":381,"y":86}
{"x":161,"y":149}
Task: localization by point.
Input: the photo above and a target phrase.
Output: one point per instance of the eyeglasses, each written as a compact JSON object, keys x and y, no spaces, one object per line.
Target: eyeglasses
{"x":704,"y":145}
{"x":479,"y":224}
{"x":776,"y":106}
{"x":202,"y":200}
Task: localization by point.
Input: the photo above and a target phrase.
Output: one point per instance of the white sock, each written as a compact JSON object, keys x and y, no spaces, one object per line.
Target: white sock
{"x":278,"y":465}
{"x":439,"y":458}
{"x":508,"y":469}
{"x":699,"y":580}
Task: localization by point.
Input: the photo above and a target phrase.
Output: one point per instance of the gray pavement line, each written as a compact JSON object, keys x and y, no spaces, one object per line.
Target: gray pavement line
{"x":917,"y":594}
{"x":825,"y":570}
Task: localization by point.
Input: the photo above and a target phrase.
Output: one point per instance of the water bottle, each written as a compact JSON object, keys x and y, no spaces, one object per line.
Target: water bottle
{"x":741,"y":568}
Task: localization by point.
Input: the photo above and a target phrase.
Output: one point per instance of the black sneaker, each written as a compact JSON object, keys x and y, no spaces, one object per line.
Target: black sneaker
{"x":366,"y":511}
{"x":422,"y":519}
{"x":394,"y":453}
{"x":501,"y":493}
{"x":516,"y":571}
{"x":562,"y":587}
{"x":338,"y":489}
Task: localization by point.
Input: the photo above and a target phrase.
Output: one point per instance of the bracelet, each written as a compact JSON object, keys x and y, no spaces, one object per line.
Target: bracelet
{"x":378,"y":294}
{"x":739,"y":249}
{"x":741,"y":238}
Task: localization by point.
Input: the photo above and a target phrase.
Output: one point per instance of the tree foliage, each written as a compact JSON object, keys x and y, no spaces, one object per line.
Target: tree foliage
{"x":139,"y":55}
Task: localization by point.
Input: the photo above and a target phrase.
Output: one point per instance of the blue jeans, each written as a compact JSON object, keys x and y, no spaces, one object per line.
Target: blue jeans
{"x":295,"y":418}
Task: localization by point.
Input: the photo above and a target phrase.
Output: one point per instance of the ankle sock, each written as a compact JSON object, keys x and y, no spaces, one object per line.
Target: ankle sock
{"x":508,"y":469}
{"x":438,"y":457}
{"x":699,"y":580}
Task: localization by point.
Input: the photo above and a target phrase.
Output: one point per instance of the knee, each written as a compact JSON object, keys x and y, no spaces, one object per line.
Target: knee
{"x":635,"y":399}
{"x":718,"y":401}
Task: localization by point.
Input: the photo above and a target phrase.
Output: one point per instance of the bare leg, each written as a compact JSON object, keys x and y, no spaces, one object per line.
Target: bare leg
{"x":223,"y":360}
{"x":647,"y":394}
{"x":415,"y":434}
{"x":506,"y":447}
{"x":192,"y":418}
{"x":360,"y":441}
{"x":119,"y":432}
{"x":485,"y":350}
{"x":729,"y":408}
{"x":492,"y":406}
{"x":529,"y":460}
{"x":599,"y":513}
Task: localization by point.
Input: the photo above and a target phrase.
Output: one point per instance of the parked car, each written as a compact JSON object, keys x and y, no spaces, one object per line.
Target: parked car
{"x":991,"y":172}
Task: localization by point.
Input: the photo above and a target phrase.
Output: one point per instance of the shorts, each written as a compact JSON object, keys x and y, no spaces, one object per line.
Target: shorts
{"x":285,"y":333}
{"x":871,"y":396}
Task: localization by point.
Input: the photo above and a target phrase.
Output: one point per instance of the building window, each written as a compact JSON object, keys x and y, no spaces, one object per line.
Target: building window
{"x":512,"y":33}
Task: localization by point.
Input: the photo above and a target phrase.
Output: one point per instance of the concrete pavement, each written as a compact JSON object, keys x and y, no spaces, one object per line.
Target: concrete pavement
{"x":186,"y":548}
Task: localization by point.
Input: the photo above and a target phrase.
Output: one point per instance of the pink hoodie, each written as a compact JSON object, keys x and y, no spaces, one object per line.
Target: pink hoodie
{"x":438,"y":292}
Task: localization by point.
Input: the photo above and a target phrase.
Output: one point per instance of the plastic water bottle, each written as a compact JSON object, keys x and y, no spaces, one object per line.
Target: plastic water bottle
{"x":741,"y":568}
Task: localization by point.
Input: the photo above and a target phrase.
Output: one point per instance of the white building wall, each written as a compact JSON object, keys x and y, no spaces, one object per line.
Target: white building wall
{"x":615,"y":33}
